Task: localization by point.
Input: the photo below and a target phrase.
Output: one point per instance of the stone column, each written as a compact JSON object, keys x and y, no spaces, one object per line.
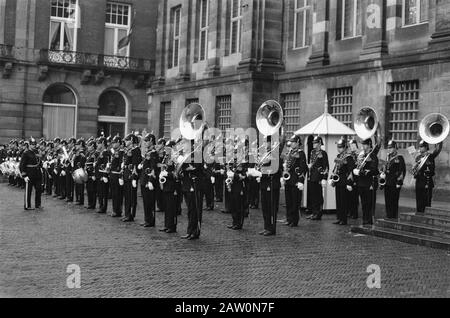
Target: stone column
{"x":251,"y":10}
{"x":161,"y":41}
{"x":185,"y":41}
{"x":374,"y":24}
{"x":214,"y":34}
{"x":321,"y":25}
{"x":440,"y":39}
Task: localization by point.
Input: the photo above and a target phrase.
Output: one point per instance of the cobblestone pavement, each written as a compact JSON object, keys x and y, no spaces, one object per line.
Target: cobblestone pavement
{"x":126,"y":260}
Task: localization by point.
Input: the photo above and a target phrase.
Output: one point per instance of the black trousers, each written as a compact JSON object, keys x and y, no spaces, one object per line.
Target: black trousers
{"x":194,"y":206}
{"x":130,"y":196}
{"x":149,"y":200}
{"x":237,"y":209}
{"x":253,"y":193}
{"x":227,"y":204}
{"x":79,"y":193}
{"x":159,"y":199}
{"x":293,"y":203}
{"x":218,"y":187}
{"x":170,"y":213}
{"x":391,"y":197}
{"x":102,"y":195}
{"x":209,"y":195}
{"x":354,"y":203}
{"x":48,"y":183}
{"x":91,"y":189}
{"x":69,"y":186}
{"x":316,"y":198}
{"x":423,"y":198}
{"x":343,"y":202}
{"x":117,"y":196}
{"x":270,"y":201}
{"x":367,"y":203}
{"x":62,"y":187}
{"x":35,"y":183}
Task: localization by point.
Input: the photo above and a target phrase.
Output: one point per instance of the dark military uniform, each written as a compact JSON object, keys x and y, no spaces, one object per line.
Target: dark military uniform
{"x":424,"y":179}
{"x":238,"y":195}
{"x":79,"y":162}
{"x":295,"y":165}
{"x":270,"y":198}
{"x":148,"y":176}
{"x":133,"y":159}
{"x":317,"y":173}
{"x":102,"y":177}
{"x":91,"y":184}
{"x":30,"y":167}
{"x":115,"y":186}
{"x":169,"y":188}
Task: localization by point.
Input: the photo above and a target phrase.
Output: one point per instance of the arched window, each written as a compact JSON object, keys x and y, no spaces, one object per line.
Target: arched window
{"x":112,"y":113}
{"x":59,"y":112}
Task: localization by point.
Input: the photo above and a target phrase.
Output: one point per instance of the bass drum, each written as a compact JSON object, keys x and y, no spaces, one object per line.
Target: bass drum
{"x":80,"y":176}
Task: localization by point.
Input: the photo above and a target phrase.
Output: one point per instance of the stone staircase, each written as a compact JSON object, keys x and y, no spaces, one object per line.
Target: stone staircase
{"x":431,"y":228}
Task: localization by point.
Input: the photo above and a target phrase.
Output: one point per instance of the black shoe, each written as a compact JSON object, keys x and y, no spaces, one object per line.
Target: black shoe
{"x":237,"y":228}
{"x":28,"y":209}
{"x":262,"y":232}
{"x":91,"y":208}
{"x":186,"y":237}
{"x":293,"y":225}
{"x":309,"y":217}
{"x":163,"y":229}
{"x":230,"y":227}
{"x":149,"y":225}
{"x":115,"y":215}
{"x":268,"y":233}
{"x":337,"y":222}
{"x":128,"y":220}
{"x":171,"y":231}
{"x":193,"y":237}
{"x":225,"y":212}
{"x":342,"y":223}
{"x":316,"y":218}
{"x":39,"y":208}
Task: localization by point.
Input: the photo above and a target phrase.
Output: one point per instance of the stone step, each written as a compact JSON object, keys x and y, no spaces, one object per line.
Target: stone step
{"x":437,"y":212}
{"x":406,"y":237}
{"x":415,"y":228}
{"x":427,"y":220}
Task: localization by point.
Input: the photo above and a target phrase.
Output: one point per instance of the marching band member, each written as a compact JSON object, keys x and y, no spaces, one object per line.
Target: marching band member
{"x":62,"y":171}
{"x":365,"y":173}
{"x":423,"y":172}
{"x":317,"y":178}
{"x":69,"y":168}
{"x":210,"y":178}
{"x":160,"y":148}
{"x":296,"y":168}
{"x":342,"y":180}
{"x":79,"y":161}
{"x":102,"y":175}
{"x":391,"y":179}
{"x":91,"y":184}
{"x":30,"y":171}
{"x":167,"y":180}
{"x":133,"y":159}
{"x":116,"y":183}
{"x":149,"y":182}
{"x":354,"y":196}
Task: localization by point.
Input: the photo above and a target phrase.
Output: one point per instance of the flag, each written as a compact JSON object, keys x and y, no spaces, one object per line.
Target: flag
{"x":126,"y":39}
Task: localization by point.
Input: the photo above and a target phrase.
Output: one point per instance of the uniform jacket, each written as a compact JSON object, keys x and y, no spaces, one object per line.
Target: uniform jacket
{"x":320,"y":167}
{"x":296,"y":166}
{"x":30,"y":165}
{"x":395,"y":170}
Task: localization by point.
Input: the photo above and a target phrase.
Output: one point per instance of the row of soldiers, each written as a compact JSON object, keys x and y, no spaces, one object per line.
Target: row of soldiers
{"x":116,"y":168}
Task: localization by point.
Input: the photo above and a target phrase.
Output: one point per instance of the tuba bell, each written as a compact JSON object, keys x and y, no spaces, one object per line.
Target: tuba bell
{"x":434,"y":128}
{"x":192,"y":121}
{"x":269,"y":118}
{"x":366,"y":123}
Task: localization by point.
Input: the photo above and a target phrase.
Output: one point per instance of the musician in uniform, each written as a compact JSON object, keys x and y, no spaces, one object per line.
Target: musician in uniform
{"x":318,"y":175}
{"x":79,"y":162}
{"x":62,"y":170}
{"x":210,"y":178}
{"x":160,"y":148}
{"x":393,"y":173}
{"x":69,"y":168}
{"x":354,"y":197}
{"x":149,"y":183}
{"x":423,"y":172}
{"x":30,"y":170}
{"x":296,"y":168}
{"x":343,"y":169}
{"x":168,"y":184}
{"x":133,"y":159}
{"x":366,"y":172}
{"x":91,"y":184}
{"x":102,"y":175}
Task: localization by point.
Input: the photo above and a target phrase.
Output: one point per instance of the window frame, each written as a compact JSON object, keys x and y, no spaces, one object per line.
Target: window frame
{"x":62,"y":25}
{"x":306,"y":9}
{"x":175,"y":38}
{"x":238,"y":20}
{"x":118,"y":27}
{"x":203,"y":29}
{"x":355,"y":21}
{"x":418,"y":14}
{"x":116,"y":119}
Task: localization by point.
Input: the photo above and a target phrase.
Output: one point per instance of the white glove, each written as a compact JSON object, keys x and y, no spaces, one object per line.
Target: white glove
{"x":213,"y":180}
{"x":283,"y":182}
{"x":398,"y":186}
{"x":140,"y":166}
{"x":324,"y":183}
{"x":356,"y":172}
{"x":222,"y":171}
{"x":330,"y":182}
{"x":258,"y":179}
{"x":93,"y":178}
{"x":349,"y":188}
{"x":63,"y":173}
{"x":134,"y":183}
{"x":26,"y":179}
{"x":121,"y":182}
{"x":105,"y":179}
{"x":230,"y":174}
{"x":300,"y":186}
{"x":163,"y":174}
{"x":150,"y":186}
{"x":55,"y":172}
{"x":122,"y":165}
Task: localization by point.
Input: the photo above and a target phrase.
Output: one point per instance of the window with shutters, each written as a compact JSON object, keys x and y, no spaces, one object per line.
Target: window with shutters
{"x":403,"y":113}
{"x":166,"y":120}
{"x":341,"y":104}
{"x":414,"y":12}
{"x":203,"y":27}
{"x":291,"y":108}
{"x":223,"y":113}
{"x":349,"y":16}
{"x":236,"y":26}
{"x":64,"y":24}
{"x":175,"y":31}
{"x":302,"y":24}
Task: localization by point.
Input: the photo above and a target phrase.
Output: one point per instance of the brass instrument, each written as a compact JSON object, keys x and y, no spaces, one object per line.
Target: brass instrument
{"x":366,"y":126}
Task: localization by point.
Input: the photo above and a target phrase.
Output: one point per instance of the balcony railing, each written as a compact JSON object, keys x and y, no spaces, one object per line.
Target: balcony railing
{"x":101,"y":61}
{"x":5,"y":51}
